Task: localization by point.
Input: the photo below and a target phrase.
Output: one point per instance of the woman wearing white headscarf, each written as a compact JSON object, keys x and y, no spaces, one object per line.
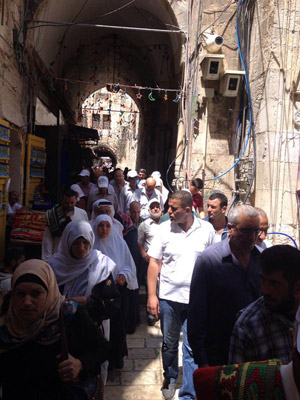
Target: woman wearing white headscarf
{"x":103,"y":206}
{"x":116,"y":248}
{"x":77,"y":266}
{"x":81,"y":270}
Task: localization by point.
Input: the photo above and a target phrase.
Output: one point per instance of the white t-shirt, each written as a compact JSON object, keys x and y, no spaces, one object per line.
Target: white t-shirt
{"x":179,"y":251}
{"x":12,"y":209}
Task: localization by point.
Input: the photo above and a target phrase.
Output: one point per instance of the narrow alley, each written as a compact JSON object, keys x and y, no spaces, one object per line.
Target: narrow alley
{"x":142,"y":374}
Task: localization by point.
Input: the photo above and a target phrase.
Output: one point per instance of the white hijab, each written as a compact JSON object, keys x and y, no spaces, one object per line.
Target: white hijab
{"x":160,"y":186}
{"x":116,"y":248}
{"x":79,"y":276}
{"x":117,"y":226}
{"x":78,"y":190}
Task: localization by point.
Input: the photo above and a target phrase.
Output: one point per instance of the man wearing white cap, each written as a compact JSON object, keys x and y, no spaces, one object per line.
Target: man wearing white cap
{"x":262,"y":330}
{"x":145,"y":194}
{"x":127,"y":193}
{"x":105,"y":191}
{"x":146,"y":232}
{"x":85,"y":184}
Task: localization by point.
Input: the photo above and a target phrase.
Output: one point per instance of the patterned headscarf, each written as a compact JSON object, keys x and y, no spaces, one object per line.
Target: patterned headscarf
{"x":43,"y":330}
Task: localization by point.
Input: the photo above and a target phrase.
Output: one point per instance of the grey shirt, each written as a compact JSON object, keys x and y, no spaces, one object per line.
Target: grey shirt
{"x":146,"y":232}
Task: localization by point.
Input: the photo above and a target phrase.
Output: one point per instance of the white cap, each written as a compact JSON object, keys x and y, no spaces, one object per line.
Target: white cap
{"x":85,"y":172}
{"x":132,"y":174}
{"x":154,"y":201}
{"x":298,"y":330}
{"x":103,"y":182}
{"x":78,"y":190}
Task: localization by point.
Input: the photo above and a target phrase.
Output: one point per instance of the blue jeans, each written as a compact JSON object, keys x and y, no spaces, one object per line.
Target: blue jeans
{"x":173,"y":316}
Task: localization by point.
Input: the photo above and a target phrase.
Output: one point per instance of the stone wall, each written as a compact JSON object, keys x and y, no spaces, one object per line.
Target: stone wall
{"x":14,"y":88}
{"x":210,"y":151}
{"x":274,"y":78}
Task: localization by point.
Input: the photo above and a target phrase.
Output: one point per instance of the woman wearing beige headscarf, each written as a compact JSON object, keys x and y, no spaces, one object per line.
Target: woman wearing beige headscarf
{"x":32,"y":360}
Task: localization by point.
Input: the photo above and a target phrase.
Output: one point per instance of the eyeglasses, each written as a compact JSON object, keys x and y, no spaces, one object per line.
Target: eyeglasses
{"x":249,"y":232}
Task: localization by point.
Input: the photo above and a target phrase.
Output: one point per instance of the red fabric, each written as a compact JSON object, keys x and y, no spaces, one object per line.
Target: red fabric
{"x":197,"y":201}
{"x":204,"y":379}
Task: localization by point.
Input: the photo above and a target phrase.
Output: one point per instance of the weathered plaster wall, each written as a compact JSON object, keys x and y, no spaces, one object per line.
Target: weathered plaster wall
{"x":14,"y":88}
{"x":274,"y":76}
{"x":213,"y":125}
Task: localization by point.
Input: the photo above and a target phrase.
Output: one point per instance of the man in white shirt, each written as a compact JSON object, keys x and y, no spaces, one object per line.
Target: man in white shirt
{"x":12,"y":208}
{"x":146,"y":233}
{"x":177,"y":245}
{"x":145,"y":194}
{"x":13,"y":203}
{"x":105,"y":191}
{"x":127,"y":194}
{"x":118,"y":183}
{"x":85,"y":185}
{"x":57,"y":219}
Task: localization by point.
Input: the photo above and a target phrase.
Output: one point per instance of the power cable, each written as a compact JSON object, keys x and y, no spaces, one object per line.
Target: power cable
{"x":110,"y":12}
{"x":219,"y":16}
{"x":249,"y":104}
{"x":284,"y":234}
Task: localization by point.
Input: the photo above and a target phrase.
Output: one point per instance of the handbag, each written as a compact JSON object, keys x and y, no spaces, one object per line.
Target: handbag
{"x":105,"y":300}
{"x":90,"y":389}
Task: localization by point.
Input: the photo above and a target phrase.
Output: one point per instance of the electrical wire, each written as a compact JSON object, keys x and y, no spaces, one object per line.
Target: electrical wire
{"x":110,"y":12}
{"x":170,"y":166}
{"x":219,"y":16}
{"x":249,"y":105}
{"x":284,"y":234}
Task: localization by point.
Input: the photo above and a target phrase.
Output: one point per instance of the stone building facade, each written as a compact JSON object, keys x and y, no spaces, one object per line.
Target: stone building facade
{"x":191,"y":131}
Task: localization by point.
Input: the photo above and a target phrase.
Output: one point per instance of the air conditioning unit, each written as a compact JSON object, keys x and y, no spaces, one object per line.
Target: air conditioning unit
{"x":211,"y":66}
{"x":230,"y":82}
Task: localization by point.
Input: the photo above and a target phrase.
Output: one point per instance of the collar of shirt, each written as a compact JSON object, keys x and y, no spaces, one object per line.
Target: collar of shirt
{"x":227,"y":252}
{"x":152,"y":221}
{"x":195,"y":225}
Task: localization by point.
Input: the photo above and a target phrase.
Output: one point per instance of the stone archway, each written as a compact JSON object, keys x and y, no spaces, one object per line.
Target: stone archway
{"x":84,"y":58}
{"x":103,"y":150}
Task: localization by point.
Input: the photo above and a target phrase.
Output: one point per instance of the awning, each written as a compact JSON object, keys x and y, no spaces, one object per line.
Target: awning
{"x":81,"y":133}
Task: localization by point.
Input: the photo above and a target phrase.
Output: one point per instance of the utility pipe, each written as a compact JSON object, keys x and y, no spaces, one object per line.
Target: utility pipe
{"x":128,"y":28}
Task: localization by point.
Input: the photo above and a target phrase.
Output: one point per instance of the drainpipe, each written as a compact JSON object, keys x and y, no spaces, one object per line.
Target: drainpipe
{"x":205,"y":147}
{"x":179,"y":149}
{"x":298,"y":194}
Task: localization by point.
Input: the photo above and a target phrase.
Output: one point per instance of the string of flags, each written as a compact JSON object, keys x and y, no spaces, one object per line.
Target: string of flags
{"x":115,"y":88}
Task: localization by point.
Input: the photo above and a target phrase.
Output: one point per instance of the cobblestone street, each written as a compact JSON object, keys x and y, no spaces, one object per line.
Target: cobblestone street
{"x":142,"y":375}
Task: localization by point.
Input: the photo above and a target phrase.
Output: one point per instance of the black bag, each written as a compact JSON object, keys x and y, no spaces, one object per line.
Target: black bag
{"x":91,"y":388}
{"x":105,"y":300}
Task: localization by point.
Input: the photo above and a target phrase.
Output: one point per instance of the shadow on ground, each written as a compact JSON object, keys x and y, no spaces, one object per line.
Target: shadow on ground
{"x":141,"y":376}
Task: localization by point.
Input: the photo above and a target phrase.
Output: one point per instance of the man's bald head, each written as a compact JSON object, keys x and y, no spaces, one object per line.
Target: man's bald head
{"x":150,"y":186}
{"x":135,"y":211}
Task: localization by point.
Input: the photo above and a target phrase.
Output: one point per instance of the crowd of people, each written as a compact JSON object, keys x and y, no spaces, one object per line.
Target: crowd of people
{"x":213,"y":276}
